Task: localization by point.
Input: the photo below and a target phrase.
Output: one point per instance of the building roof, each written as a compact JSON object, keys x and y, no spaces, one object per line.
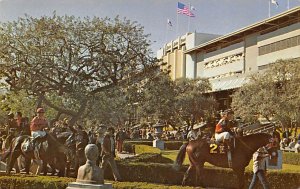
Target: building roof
{"x":273,"y":23}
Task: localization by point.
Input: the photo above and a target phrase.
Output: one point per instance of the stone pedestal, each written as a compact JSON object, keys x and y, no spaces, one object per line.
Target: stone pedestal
{"x":159,"y":144}
{"x":75,"y":185}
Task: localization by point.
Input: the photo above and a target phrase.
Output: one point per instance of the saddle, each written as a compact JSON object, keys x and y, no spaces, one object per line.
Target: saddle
{"x":222,"y":148}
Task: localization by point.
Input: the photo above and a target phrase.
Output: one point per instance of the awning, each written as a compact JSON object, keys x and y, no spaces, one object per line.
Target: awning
{"x":228,"y":83}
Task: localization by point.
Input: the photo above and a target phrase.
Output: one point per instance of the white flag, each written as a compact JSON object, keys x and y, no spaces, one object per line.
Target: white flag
{"x":275,"y":2}
{"x":169,"y":22}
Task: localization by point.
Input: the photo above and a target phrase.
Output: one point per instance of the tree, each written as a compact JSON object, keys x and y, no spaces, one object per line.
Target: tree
{"x":191,"y":102}
{"x":158,"y":97}
{"x":273,"y":94}
{"x":71,"y":58}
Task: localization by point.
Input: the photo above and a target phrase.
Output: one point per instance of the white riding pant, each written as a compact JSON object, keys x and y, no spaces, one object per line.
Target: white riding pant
{"x":35,"y":134}
{"x":220,"y":137}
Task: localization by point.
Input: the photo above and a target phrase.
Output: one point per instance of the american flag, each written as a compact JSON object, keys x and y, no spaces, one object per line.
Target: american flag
{"x":183,"y":9}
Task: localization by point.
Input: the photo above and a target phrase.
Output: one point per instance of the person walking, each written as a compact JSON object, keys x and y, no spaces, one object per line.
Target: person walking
{"x":108,"y":153}
{"x":260,"y":168}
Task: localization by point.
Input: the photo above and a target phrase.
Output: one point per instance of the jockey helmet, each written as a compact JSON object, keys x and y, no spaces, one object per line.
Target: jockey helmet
{"x":40,"y":110}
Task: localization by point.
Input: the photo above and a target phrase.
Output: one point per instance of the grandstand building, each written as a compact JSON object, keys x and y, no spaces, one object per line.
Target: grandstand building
{"x":228,"y":60}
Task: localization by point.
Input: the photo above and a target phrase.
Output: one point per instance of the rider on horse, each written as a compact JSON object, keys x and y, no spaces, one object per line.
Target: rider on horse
{"x":37,"y":125}
{"x":222,"y":130}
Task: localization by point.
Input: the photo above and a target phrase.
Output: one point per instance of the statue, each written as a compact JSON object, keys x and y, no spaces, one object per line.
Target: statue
{"x":90,"y":173}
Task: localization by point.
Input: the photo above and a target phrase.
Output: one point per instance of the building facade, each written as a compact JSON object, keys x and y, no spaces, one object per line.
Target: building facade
{"x":228,"y":60}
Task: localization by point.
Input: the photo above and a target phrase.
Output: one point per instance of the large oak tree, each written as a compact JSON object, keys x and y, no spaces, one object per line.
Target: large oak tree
{"x":71,"y":58}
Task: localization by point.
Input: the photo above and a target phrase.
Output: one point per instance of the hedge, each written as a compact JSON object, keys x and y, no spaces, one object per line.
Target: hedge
{"x":163,"y":173}
{"x":128,"y":145}
{"x":291,"y":158}
{"x":47,"y":182}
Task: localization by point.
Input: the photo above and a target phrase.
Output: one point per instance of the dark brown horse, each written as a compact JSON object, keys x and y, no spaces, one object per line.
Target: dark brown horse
{"x":52,"y":153}
{"x":200,"y":151}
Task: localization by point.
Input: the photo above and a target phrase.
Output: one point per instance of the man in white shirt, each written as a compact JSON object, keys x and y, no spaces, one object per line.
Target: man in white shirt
{"x":260,"y":168}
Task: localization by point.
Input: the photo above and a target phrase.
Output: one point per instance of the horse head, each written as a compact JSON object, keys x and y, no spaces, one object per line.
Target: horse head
{"x":253,"y":142}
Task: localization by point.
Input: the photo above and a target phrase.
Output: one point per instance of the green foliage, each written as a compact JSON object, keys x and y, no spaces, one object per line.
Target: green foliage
{"x":129,"y":146}
{"x":173,"y":145}
{"x":272,"y":94}
{"x":190,"y":99}
{"x":140,"y":149}
{"x":158,"y":97}
{"x":71,"y":58}
{"x":148,"y":158}
{"x":291,"y":158}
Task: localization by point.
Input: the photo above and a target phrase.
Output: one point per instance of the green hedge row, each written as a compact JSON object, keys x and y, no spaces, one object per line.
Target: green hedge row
{"x":291,"y":158}
{"x":47,"y":182}
{"x":128,"y":145}
{"x":212,"y":177}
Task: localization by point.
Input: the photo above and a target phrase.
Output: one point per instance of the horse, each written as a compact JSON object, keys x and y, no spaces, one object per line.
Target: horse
{"x":51,"y":153}
{"x":75,"y":143}
{"x":200,"y":151}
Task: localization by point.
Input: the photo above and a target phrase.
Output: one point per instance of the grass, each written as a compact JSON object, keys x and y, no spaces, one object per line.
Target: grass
{"x":171,"y":154}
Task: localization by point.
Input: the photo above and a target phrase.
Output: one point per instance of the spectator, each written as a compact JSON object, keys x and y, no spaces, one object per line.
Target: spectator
{"x":276,"y":137}
{"x":259,"y":168}
{"x":292,"y":143}
{"x":286,"y":134}
{"x":149,"y":136}
{"x":297,"y":146}
{"x":120,"y":137}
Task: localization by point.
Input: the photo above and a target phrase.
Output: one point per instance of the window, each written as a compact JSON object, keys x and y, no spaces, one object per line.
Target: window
{"x":279,"y":45}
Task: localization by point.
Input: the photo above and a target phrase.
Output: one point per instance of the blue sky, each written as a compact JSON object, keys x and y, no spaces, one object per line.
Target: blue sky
{"x":212,"y":16}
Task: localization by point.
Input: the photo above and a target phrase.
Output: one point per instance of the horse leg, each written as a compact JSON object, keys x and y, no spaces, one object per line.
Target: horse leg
{"x":187,"y":175}
{"x":45,"y":168}
{"x":12,"y":160}
{"x":27,"y":165}
{"x":199,"y":179}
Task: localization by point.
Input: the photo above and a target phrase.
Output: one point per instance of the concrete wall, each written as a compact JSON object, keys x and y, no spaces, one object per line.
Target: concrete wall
{"x":251,"y":53}
{"x":275,"y":36}
{"x":195,"y":39}
{"x":191,"y":66}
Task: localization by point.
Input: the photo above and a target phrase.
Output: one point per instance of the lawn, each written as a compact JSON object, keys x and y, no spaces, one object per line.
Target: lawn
{"x":171,"y":154}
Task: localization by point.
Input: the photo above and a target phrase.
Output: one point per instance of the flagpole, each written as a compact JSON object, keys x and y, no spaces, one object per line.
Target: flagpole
{"x":189,"y":19}
{"x":166,"y":33}
{"x":288,"y":4}
{"x":269,"y":8}
{"x":177,"y":25}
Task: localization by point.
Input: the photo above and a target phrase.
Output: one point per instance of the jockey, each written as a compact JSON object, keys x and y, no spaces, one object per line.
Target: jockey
{"x":193,"y":134}
{"x":222,"y":130}
{"x":37,"y":125}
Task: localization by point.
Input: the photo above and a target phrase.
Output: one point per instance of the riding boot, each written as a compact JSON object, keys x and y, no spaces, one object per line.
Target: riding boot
{"x":228,"y":149}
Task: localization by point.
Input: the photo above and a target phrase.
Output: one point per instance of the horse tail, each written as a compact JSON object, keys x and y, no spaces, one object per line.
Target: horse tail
{"x":180,"y":157}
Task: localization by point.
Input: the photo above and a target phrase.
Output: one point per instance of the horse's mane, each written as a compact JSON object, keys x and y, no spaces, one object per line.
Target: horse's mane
{"x":254,"y":141}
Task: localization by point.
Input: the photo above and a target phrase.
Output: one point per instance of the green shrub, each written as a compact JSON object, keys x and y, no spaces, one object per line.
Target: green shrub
{"x":148,"y":158}
{"x":129,"y":146}
{"x":291,"y":158}
{"x":140,"y":149}
{"x":46,"y":182}
{"x":169,"y":145}
{"x":173,"y":145}
{"x":163,"y":173}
